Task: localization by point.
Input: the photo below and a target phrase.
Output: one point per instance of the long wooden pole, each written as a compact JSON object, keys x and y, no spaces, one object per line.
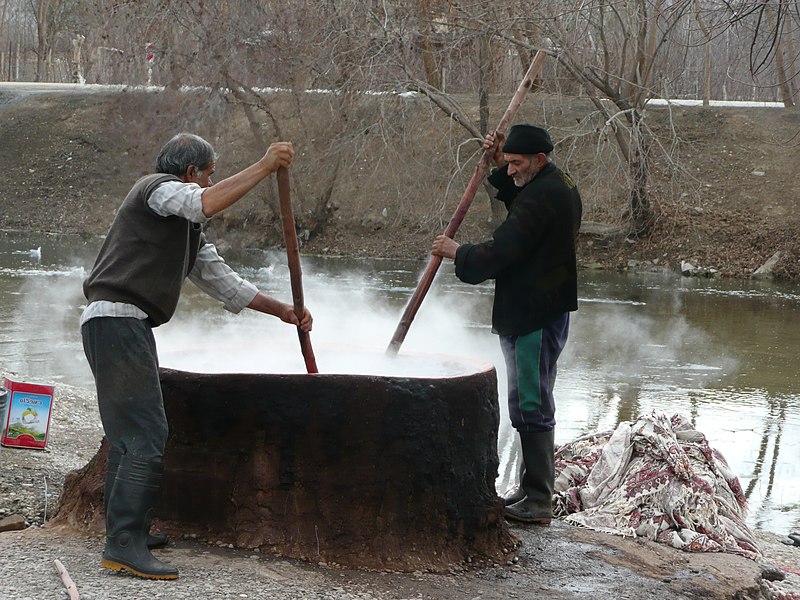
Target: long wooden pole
{"x":295,"y":273}
{"x":463,"y":206}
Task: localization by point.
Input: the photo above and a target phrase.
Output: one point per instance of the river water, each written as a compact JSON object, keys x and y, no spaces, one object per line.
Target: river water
{"x":724,"y":353}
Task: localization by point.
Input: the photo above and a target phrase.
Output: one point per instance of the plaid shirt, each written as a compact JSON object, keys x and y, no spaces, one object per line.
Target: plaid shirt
{"x":210,"y":272}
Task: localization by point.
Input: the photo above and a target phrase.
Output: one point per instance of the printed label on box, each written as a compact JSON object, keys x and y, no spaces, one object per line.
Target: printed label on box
{"x":27,"y":421}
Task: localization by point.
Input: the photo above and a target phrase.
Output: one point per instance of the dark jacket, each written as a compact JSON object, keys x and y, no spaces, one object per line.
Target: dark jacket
{"x":145,"y":257}
{"x":531,"y":256}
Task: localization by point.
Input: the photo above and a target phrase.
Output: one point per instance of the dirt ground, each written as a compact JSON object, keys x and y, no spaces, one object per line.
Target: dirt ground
{"x":726,"y":199}
{"x":556,"y":562}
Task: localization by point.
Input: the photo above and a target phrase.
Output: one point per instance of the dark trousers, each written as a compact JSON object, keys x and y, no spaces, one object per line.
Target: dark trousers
{"x":531,"y":369}
{"x":122,"y":355}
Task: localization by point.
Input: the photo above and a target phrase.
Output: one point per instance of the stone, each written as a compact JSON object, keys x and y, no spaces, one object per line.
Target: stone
{"x":12,"y":523}
{"x":765,"y":270}
{"x":601,"y":230}
{"x":689,"y":270}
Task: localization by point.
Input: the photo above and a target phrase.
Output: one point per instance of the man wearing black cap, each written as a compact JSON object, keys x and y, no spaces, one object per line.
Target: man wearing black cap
{"x":531,"y":257}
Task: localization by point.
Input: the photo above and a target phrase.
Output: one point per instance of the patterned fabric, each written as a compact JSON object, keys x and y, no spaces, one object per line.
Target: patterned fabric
{"x":656,"y":478}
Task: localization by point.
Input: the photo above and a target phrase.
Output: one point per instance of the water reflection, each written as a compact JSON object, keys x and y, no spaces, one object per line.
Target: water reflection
{"x":722,"y":353}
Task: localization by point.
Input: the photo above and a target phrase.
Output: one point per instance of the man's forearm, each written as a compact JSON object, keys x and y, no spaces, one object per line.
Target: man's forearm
{"x":221,"y":195}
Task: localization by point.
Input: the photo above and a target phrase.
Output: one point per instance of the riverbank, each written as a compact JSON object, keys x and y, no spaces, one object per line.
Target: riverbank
{"x":70,"y":160}
{"x":557,"y":562}
{"x":724,"y":198}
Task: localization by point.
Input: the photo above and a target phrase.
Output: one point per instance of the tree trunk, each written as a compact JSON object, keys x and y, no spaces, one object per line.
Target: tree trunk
{"x":639,"y":169}
{"x":17,"y":58}
{"x":77,"y":72}
{"x":2,"y":53}
{"x":41,"y":47}
{"x":793,"y":61}
{"x":425,"y":17}
{"x":707,"y":63}
{"x":266,"y":193}
{"x":778,"y":22}
{"x":780,"y":70}
{"x":484,"y":82}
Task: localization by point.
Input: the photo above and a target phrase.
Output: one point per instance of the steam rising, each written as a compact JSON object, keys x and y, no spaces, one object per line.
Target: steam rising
{"x":352,"y":327}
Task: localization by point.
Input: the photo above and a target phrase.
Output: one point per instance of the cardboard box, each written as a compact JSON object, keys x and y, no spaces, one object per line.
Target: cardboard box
{"x":27,"y":418}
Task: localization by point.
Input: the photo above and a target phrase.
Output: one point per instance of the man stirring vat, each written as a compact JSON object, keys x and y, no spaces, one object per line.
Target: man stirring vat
{"x":155,"y":242}
{"x":531,"y":257}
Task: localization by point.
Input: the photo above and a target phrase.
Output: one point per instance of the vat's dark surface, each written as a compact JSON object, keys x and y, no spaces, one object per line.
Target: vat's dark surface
{"x":369,"y":471}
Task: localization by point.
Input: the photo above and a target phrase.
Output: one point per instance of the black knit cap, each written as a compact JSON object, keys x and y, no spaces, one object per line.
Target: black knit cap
{"x":527,"y":139}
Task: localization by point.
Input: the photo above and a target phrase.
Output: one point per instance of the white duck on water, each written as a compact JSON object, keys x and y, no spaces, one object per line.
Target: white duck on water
{"x":34,"y":253}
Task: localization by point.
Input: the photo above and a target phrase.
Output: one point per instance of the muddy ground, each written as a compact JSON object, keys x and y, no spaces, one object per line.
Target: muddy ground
{"x":557,"y":562}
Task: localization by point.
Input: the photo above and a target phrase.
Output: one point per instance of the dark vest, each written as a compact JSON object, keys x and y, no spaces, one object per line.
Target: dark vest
{"x":145,"y":257}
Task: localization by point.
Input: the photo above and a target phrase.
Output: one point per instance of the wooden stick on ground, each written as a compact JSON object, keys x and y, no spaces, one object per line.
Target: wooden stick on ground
{"x":466,"y":200}
{"x":72,"y":589}
{"x":295,"y":273}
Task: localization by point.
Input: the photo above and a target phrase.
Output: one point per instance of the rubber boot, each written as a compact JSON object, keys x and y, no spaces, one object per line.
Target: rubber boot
{"x":130,"y":505}
{"x":538,"y":453}
{"x":154,"y":540}
{"x":518,"y":492}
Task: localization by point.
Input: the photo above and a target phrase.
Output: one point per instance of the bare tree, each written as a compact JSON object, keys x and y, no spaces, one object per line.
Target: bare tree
{"x":77,"y":71}
{"x":426,"y":42}
{"x":3,"y":18}
{"x":613,"y":50}
{"x":707,"y":52}
{"x":43,"y":36}
{"x":780,"y":20}
{"x":273,"y":61}
{"x":793,"y":66}
{"x":769,"y":26}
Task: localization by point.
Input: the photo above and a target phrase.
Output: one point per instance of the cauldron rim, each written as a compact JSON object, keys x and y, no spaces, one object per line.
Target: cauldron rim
{"x":472,"y":366}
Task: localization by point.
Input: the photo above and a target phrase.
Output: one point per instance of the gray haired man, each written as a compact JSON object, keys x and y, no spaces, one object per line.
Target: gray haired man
{"x":156,"y":242}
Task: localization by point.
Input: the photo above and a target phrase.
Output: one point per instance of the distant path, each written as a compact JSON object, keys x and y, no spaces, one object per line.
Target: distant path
{"x":31,"y":87}
{"x":12,"y":92}
{"x":715,"y":103}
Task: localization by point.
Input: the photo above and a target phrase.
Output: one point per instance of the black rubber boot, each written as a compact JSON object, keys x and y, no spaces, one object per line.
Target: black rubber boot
{"x":130,"y":504}
{"x":538,"y":450}
{"x":517,"y":493}
{"x":154,"y":540}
